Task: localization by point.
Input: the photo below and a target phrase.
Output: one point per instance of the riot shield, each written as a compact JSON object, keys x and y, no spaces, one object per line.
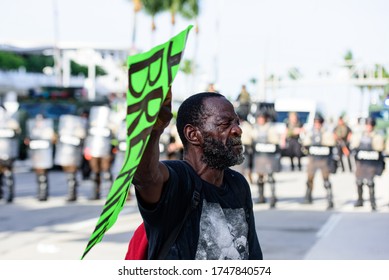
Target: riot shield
{"x":71,"y":132}
{"x":9,"y":147}
{"x":41,"y":133}
{"x":98,"y":141}
{"x":122,"y":137}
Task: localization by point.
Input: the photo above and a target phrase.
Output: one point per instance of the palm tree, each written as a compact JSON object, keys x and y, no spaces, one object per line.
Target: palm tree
{"x":348,"y":59}
{"x":153,"y":7}
{"x":189,"y":9}
{"x":294,"y":73}
{"x":137,"y":7}
{"x":188,"y":68}
{"x":173,"y":6}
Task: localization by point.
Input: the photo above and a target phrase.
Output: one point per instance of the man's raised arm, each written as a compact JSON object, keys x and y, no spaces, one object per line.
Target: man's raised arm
{"x":151,"y":174}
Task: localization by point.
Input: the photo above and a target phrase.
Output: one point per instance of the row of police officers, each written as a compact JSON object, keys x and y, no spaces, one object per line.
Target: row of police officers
{"x":263,"y":154}
{"x":77,"y":139}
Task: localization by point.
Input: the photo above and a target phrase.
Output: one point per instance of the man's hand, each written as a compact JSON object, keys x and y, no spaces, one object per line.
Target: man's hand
{"x":165,"y":114}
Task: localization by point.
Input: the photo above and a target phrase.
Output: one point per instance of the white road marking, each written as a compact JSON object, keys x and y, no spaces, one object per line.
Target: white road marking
{"x":329,"y":225}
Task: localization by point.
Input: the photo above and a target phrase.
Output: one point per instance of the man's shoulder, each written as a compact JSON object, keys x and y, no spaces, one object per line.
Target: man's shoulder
{"x":181,"y":168}
{"x":235,"y":176}
{"x":174,"y":163}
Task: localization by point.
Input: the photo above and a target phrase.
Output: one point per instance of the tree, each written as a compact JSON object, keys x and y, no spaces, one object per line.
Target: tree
{"x":173,"y":6}
{"x":349,"y":59}
{"x":35,"y":63}
{"x":153,"y":7}
{"x":190,"y":9}
{"x":10,"y":61}
{"x":137,"y":7}
{"x":77,"y":69}
{"x":294,"y":73}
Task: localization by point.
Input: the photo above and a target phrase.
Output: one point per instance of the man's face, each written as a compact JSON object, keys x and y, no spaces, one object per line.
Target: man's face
{"x":222,"y":145}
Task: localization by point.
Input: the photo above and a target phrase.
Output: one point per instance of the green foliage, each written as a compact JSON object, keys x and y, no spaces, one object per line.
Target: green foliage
{"x":187,"y":67}
{"x":189,"y":9}
{"x":153,"y":7}
{"x":77,"y":69}
{"x":348,"y":56}
{"x":380,"y":70}
{"x":172,"y":5}
{"x":10,"y":61}
{"x":294,"y":73}
{"x":35,"y":63}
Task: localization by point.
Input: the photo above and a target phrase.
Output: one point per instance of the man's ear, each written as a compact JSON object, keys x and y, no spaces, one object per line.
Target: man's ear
{"x":192,"y":134}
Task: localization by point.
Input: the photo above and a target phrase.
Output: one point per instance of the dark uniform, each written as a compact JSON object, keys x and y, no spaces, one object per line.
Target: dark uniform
{"x":266,"y":156}
{"x":367,"y":148}
{"x":244,"y":102}
{"x":319,"y":144}
{"x":41,"y":137}
{"x":246,"y":168}
{"x":98,"y":147}
{"x":342,"y":136}
{"x":292,"y":147}
{"x":68,"y":152}
{"x":9,"y":131}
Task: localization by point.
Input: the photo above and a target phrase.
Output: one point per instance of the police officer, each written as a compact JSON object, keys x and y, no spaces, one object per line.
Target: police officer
{"x":41,"y":137}
{"x":319,"y":143}
{"x":291,"y":142}
{"x":244,"y":102}
{"x":367,"y":147}
{"x":9,"y":132}
{"x":122,"y":143}
{"x":246,"y":168}
{"x":98,"y":147}
{"x":68,"y":152}
{"x":266,"y":156}
{"x":343,"y":133}
{"x":174,"y":149}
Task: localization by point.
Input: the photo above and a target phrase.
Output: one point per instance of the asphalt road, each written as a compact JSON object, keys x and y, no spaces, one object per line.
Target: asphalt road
{"x":58,"y":230}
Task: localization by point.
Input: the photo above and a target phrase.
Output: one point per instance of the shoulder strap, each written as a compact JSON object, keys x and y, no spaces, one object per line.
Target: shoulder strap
{"x":190,"y":173}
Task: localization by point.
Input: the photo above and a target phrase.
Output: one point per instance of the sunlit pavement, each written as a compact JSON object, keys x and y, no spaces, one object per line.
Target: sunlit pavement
{"x":59,"y":230}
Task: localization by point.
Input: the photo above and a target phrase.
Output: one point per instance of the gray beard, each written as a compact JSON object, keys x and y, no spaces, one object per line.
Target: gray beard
{"x":219,"y":156}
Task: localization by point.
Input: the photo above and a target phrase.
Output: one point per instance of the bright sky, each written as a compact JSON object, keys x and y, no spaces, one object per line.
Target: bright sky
{"x":236,"y":37}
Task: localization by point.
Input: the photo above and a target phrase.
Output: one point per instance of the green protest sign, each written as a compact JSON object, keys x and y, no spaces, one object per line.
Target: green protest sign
{"x":150,"y":76}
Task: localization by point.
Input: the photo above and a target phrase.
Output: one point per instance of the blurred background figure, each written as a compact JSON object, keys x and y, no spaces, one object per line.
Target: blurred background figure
{"x":211,"y":88}
{"x":246,"y":168}
{"x":40,"y":140}
{"x":121,"y":148}
{"x":98,"y":148}
{"x":342,"y":134}
{"x":267,"y":156}
{"x":175,"y":149}
{"x":9,"y":151}
{"x":243,"y":102}
{"x":319,"y":143}
{"x":121,"y":136}
{"x":368,"y":147}
{"x":85,"y":168}
{"x":291,"y":141}
{"x":68,"y":152}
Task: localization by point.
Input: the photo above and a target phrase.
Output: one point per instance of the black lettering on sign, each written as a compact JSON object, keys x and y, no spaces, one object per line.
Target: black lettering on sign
{"x":136,"y":67}
{"x":172,"y":60}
